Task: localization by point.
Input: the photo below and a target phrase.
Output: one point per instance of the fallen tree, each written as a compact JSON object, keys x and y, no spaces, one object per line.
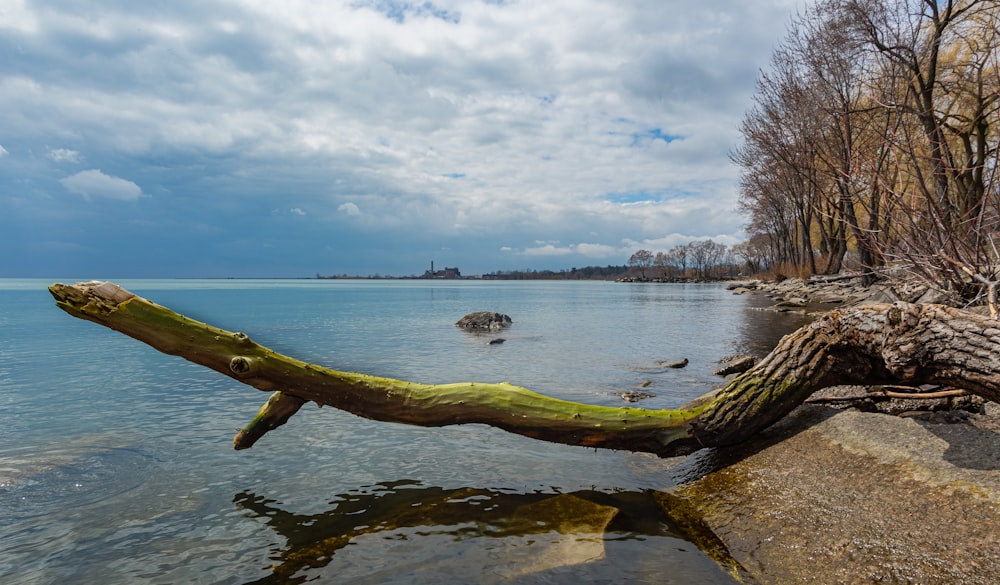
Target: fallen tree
{"x":900,"y":343}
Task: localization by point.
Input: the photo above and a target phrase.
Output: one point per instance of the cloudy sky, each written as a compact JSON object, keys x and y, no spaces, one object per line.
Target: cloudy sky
{"x":241,"y":138}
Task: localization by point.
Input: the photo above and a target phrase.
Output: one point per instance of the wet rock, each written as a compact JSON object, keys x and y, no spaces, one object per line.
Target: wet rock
{"x":781,"y":309}
{"x":497,"y":341}
{"x":635,"y":395}
{"x":792,"y":303}
{"x":735,"y":364}
{"x":484,"y":321}
{"x":676,"y":364}
{"x":832,"y":299}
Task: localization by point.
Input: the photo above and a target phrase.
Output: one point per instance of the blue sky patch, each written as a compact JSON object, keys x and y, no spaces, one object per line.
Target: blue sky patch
{"x":635,"y":197}
{"x":642,"y":196}
{"x":652,"y":135}
{"x":400,"y":11}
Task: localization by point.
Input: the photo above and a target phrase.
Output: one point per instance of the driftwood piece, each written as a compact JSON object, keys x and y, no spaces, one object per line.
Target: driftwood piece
{"x":899,"y":343}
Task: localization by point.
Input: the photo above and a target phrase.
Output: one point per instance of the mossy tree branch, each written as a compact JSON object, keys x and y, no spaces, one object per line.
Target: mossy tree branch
{"x":884,"y":344}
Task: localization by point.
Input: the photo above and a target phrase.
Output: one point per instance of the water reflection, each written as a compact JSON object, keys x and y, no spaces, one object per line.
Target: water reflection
{"x":155,"y":504}
{"x":760,"y":330}
{"x":558,"y":530}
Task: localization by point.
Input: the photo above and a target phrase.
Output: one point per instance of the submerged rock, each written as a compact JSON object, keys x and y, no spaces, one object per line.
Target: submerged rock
{"x":484,"y":321}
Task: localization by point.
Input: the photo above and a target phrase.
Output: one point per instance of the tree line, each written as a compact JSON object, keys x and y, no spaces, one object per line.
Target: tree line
{"x":702,"y":259}
{"x":585,"y":273}
{"x":872,"y":141}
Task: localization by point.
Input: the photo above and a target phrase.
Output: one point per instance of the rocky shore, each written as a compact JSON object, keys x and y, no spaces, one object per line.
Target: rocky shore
{"x":820,"y":294}
{"x":863,"y":490}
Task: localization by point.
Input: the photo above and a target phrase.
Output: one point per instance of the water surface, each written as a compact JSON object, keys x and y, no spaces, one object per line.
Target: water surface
{"x":116,"y":464}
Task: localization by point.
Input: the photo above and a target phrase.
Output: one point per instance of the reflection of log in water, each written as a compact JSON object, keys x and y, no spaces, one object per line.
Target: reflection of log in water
{"x":465,"y":513}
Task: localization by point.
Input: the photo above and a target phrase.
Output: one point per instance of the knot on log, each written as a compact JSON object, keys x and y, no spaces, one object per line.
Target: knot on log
{"x":242,"y":365}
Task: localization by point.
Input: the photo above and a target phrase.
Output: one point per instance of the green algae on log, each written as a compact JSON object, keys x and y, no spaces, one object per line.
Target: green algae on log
{"x":900,"y":343}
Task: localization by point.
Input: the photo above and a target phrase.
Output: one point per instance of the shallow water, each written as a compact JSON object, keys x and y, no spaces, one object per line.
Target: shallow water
{"x":116,"y":464}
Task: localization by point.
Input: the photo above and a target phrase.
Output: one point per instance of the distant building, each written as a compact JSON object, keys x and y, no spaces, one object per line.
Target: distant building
{"x":446,"y":273}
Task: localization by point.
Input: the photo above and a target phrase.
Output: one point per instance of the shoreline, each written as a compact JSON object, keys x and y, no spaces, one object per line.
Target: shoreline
{"x":907,"y":492}
{"x":844,"y":496}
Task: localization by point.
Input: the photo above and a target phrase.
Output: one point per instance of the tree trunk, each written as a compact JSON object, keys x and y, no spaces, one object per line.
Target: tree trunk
{"x":877,"y":344}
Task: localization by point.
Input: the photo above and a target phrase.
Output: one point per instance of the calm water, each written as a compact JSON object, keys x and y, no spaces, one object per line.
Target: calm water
{"x":116,"y":464}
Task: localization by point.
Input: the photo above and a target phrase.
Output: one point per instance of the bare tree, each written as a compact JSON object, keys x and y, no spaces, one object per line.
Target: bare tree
{"x":678,"y":257}
{"x":758,"y":253}
{"x":641,"y":261}
{"x":706,"y":254}
{"x":875,"y":129}
{"x":661,"y":261}
{"x":940,"y":58}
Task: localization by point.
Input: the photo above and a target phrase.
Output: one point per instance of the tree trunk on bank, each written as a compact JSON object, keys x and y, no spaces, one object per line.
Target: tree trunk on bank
{"x":878,"y":344}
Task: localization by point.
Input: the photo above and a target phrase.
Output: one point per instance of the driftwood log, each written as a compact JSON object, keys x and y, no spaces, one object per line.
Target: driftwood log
{"x":899,"y":343}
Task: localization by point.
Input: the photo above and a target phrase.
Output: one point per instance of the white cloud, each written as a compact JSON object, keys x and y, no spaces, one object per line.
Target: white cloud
{"x":583,"y":249}
{"x":297,"y":211}
{"x":14,"y":15}
{"x":598,"y":250}
{"x":350,"y":209}
{"x":64,"y":155}
{"x":3,"y":151}
{"x":548,"y":250}
{"x":579,"y":121}
{"x":95,"y":184}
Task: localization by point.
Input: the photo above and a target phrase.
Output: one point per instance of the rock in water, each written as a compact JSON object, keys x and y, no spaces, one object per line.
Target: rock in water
{"x":676,"y":364}
{"x":735,"y":364}
{"x":484,"y":321}
{"x":635,"y":395}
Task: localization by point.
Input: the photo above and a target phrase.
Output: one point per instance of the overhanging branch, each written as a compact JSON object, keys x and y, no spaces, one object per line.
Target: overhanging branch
{"x":899,"y":343}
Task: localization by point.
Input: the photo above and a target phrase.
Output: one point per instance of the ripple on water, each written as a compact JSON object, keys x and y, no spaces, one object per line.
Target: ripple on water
{"x":36,"y":482}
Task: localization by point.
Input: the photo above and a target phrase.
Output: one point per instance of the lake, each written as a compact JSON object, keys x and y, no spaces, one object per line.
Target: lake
{"x":116,"y":463}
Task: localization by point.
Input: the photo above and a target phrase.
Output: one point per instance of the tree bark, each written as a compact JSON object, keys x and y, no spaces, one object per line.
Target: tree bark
{"x":877,"y":344}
